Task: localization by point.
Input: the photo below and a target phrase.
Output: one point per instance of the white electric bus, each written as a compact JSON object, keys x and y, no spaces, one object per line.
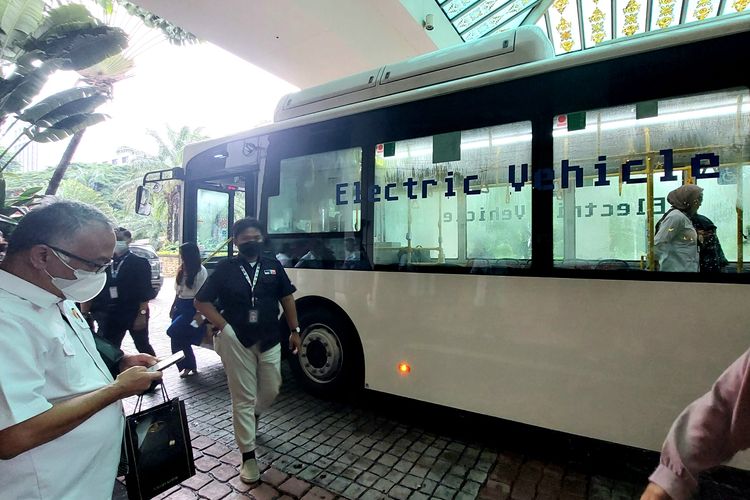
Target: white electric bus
{"x":474,"y":227}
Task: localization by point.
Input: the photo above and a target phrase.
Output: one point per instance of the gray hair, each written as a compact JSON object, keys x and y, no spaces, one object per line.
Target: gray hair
{"x":54,"y":223}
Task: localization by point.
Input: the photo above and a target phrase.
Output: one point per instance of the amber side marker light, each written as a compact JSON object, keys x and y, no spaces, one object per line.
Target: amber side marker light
{"x":404,"y":368}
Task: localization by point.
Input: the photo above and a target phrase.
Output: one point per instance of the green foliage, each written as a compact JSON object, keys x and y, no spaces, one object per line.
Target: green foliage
{"x":99,"y":184}
{"x":67,"y":127}
{"x":172,"y":248}
{"x":43,"y":110}
{"x":174,"y":34}
{"x":15,"y":206}
{"x":40,"y":42}
{"x":18,"y":21}
{"x":65,"y":19}
{"x":82,"y":48}
{"x":111,"y":188}
{"x":19,"y":90}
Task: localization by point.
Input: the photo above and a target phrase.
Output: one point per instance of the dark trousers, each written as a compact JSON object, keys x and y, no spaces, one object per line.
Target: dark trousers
{"x":113,"y":325}
{"x":182,"y":334}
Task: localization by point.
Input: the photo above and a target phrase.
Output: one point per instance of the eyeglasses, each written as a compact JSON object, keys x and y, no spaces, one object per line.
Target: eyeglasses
{"x":98,"y":267}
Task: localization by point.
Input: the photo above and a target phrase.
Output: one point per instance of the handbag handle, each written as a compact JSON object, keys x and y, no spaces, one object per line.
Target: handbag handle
{"x":139,"y":402}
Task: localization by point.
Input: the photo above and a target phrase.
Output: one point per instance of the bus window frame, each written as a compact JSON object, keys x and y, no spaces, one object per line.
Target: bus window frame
{"x":284,"y":145}
{"x":192,"y":188}
{"x":497,"y":104}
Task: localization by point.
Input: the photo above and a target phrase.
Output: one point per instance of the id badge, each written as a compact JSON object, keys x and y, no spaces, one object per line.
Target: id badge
{"x":113,"y":292}
{"x":252,"y":317}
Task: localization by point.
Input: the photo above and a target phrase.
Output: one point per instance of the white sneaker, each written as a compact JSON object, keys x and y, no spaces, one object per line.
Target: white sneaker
{"x":249,"y":473}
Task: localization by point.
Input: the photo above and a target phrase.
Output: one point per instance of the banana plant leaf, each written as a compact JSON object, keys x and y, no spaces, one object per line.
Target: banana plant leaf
{"x":67,"y":127}
{"x":79,"y":106}
{"x":20,"y":89}
{"x":25,"y":197}
{"x":8,"y":220}
{"x":25,"y":61}
{"x":55,"y":101}
{"x":20,"y":18}
{"x":66,"y":19}
{"x":83,"y":48}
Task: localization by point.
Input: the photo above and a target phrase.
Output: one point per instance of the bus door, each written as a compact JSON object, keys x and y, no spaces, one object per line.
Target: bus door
{"x":211,"y":208}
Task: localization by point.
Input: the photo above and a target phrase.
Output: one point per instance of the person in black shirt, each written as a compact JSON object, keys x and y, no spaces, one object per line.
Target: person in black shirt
{"x":248,"y":289}
{"x":711,"y":256}
{"x":123,"y":303}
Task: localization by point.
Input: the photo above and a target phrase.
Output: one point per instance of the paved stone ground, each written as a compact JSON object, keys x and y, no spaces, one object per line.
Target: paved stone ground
{"x":379,"y":446}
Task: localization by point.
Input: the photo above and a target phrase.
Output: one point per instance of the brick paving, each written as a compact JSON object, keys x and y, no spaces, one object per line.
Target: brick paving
{"x":376,"y":446}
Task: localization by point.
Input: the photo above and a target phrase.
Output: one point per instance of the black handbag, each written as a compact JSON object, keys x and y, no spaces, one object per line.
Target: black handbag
{"x":158,"y":448}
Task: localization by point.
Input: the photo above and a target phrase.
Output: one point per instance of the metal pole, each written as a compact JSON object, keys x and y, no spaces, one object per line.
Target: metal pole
{"x":649,"y":201}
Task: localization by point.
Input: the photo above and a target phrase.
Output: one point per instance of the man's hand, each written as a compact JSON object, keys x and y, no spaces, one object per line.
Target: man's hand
{"x":135,"y":380}
{"x":295,"y":342}
{"x":655,"y":492}
{"x":141,"y":359}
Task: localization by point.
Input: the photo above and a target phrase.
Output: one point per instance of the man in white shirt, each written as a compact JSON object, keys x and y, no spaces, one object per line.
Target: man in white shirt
{"x":61,"y":420}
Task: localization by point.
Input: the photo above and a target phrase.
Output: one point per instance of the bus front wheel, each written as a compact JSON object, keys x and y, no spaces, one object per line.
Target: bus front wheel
{"x":329,"y":362}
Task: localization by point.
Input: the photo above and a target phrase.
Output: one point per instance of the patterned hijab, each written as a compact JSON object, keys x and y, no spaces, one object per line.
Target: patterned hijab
{"x":684,"y":197}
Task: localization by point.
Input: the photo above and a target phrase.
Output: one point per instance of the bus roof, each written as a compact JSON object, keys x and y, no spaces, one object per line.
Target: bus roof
{"x":646,"y":42}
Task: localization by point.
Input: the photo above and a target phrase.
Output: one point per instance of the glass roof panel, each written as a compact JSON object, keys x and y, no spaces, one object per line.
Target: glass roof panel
{"x":631,"y":17}
{"x":597,"y":22}
{"x":497,"y":18}
{"x":453,"y":8}
{"x":542,"y":23}
{"x":570,"y":31}
{"x":732,"y":6}
{"x":476,"y":13}
{"x":665,"y":13}
{"x":563,"y":19}
{"x":698,"y":10}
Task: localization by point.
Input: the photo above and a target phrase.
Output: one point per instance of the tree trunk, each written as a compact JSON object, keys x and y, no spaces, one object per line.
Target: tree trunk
{"x":173,"y":215}
{"x":62,"y":167}
{"x":176,"y":230}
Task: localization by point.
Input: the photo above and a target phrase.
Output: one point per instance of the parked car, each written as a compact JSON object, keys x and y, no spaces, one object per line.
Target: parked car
{"x":145,"y":250}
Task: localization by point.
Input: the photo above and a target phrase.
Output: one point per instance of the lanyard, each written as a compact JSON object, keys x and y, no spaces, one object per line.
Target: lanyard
{"x":253,"y":282}
{"x":116,"y":268}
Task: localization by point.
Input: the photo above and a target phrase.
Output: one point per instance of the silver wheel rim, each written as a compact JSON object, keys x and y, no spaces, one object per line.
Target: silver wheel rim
{"x":321,"y":355}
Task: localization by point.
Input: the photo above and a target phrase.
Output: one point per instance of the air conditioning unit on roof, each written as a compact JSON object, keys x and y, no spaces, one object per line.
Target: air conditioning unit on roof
{"x":503,"y":50}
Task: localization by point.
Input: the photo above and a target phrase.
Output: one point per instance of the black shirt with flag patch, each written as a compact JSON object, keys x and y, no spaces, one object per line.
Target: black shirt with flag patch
{"x":229,"y":289}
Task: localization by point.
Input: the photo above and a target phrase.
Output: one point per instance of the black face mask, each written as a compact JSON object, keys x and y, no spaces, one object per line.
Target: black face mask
{"x":251,"y":249}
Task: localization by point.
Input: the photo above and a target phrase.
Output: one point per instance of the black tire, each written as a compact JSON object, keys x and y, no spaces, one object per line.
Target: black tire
{"x":330,"y":362}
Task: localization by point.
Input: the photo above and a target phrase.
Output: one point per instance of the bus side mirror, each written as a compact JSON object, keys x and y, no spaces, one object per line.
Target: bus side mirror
{"x":143,"y":201}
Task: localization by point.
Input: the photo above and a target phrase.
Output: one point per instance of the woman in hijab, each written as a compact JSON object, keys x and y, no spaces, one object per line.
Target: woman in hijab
{"x":676,"y":241}
{"x":712,"y":258}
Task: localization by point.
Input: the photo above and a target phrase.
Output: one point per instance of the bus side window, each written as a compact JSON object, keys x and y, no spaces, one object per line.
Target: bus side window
{"x":614,"y":171}
{"x":454,"y":199}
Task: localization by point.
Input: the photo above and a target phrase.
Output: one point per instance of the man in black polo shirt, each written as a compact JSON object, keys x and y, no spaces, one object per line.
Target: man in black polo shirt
{"x":123,"y":303}
{"x":247,"y":290}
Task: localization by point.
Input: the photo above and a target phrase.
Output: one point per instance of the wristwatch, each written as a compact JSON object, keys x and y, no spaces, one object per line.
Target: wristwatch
{"x":295,"y":330}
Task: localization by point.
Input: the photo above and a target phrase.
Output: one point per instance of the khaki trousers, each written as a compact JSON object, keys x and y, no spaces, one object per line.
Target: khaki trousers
{"x":254,"y":380}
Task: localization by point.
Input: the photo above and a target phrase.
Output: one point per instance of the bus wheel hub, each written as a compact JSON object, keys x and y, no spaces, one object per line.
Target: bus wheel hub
{"x":321,"y":354}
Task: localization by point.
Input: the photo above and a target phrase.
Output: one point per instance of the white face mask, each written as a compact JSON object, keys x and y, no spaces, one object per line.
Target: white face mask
{"x":121,"y":246}
{"x":85,"y":287}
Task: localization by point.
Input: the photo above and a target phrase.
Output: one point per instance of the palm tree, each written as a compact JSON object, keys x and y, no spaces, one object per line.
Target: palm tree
{"x":169,"y":155}
{"x":105,"y":74}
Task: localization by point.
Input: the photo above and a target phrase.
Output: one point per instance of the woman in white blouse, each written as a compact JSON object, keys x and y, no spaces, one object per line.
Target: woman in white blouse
{"x":676,"y":240}
{"x":186,"y":328}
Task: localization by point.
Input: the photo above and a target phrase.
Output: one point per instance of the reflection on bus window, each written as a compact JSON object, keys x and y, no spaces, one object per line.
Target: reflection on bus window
{"x":325,"y":252}
{"x":615,"y":168}
{"x":213,"y":221}
{"x":448,"y":200}
{"x":306,"y":202}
